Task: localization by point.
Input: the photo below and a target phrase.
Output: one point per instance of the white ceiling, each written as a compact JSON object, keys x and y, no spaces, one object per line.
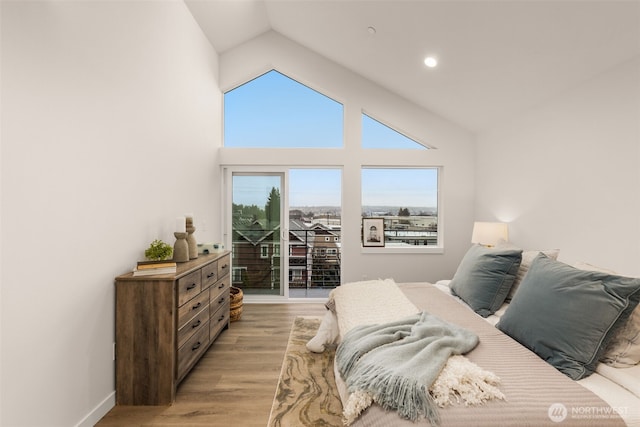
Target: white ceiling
{"x":496,"y":58}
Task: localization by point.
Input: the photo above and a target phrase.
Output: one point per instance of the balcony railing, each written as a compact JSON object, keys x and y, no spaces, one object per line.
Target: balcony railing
{"x":314,"y":260}
{"x":314,"y":256}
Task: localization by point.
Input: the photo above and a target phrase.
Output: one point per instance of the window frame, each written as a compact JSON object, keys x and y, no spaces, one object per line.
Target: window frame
{"x":350,"y":158}
{"x":420,"y":146}
{"x":438,"y":248}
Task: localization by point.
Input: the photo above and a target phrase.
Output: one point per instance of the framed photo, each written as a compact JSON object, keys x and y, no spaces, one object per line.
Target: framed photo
{"x":373,"y":232}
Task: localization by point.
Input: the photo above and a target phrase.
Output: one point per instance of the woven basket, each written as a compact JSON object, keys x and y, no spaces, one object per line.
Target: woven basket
{"x":236,"y":303}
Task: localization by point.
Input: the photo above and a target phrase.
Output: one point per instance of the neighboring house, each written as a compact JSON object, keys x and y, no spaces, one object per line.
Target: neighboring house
{"x":257,"y":254}
{"x":314,"y":255}
{"x":300,"y":259}
{"x":326,"y":256}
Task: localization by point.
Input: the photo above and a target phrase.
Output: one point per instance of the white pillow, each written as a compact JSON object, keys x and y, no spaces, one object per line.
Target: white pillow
{"x":623,"y":350}
{"x":327,"y":333}
{"x":527,"y":259}
{"x":585,"y":266}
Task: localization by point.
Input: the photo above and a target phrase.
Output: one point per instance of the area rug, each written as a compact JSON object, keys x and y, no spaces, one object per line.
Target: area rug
{"x":306,"y":394}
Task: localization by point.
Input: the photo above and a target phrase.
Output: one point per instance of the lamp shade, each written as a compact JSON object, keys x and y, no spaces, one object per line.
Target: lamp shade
{"x":489,"y":233}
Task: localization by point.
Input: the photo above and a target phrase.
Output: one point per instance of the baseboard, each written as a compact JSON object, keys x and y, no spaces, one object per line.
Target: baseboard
{"x":99,"y":411}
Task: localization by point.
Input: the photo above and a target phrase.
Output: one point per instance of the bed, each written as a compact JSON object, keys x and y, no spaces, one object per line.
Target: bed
{"x":563,"y":341}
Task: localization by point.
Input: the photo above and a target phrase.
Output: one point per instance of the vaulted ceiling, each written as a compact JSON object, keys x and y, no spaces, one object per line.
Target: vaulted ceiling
{"x":496,"y":59}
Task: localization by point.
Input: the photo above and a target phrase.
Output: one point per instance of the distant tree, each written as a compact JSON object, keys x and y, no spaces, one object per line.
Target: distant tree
{"x":250,"y":211}
{"x":404,"y":212}
{"x":272,"y":208}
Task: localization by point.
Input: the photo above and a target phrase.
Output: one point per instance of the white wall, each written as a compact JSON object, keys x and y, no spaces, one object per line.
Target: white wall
{"x":110,"y":121}
{"x":455,"y":153}
{"x":567,"y":173}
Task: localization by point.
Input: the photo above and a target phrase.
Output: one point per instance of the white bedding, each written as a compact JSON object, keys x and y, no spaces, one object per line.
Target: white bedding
{"x":627,"y":403}
{"x":628,"y":378}
{"x":619,"y":387}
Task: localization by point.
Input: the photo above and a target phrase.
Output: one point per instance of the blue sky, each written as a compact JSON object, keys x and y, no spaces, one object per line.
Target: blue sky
{"x":282,"y":113}
{"x":308,"y":187}
{"x":399,"y":187}
{"x":276,"y":111}
{"x":322,"y":187}
{"x":315,"y":187}
{"x":378,"y":135}
{"x":286,"y":114}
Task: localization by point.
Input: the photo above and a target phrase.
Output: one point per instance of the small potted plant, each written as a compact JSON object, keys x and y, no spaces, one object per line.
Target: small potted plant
{"x":158,"y":251}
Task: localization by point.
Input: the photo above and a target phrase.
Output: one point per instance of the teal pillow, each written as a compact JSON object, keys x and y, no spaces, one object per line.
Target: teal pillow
{"x":485,"y":276}
{"x":567,"y":316}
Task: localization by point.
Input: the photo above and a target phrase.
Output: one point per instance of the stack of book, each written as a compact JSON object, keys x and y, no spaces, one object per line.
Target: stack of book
{"x":149,"y":268}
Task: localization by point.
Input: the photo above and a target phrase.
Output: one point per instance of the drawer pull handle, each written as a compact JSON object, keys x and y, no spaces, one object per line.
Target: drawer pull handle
{"x":221,"y":285}
{"x":210,"y":275}
{"x":224,"y":267}
{"x":221,"y":318}
{"x":196,"y":346}
{"x":197,"y":306}
{"x":221,"y":300}
{"x":196,"y":324}
{"x":191,"y":286}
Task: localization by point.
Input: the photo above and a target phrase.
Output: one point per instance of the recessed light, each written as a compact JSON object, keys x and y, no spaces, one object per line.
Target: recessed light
{"x":430,"y":61}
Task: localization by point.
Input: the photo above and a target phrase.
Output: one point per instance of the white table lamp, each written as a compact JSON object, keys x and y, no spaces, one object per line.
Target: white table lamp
{"x":489,"y":233}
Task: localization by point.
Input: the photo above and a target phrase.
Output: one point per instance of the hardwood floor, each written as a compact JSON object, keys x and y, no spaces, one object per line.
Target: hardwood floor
{"x":235,"y":381}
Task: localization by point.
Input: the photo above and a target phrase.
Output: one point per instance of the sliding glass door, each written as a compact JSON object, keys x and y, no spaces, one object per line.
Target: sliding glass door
{"x":285,"y":231}
{"x":256,"y":230}
{"x":315,"y":228}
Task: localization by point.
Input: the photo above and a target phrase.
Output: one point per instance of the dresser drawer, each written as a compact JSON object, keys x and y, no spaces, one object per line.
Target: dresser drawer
{"x":187,"y":311}
{"x":224,"y":265}
{"x":218,"y":321}
{"x":188,"y":287}
{"x":192,"y":349}
{"x":193,"y":325}
{"x":209,"y":274}
{"x":219,"y":295}
{"x":221,"y":287}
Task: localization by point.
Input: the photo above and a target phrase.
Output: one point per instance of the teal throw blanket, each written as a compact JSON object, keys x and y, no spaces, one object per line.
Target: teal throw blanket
{"x":397,"y":362}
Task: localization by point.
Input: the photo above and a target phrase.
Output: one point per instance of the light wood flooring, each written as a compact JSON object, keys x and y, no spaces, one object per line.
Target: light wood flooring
{"x":235,"y":381}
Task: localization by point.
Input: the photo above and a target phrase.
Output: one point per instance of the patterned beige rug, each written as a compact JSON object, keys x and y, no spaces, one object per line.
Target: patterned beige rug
{"x":306,"y":394}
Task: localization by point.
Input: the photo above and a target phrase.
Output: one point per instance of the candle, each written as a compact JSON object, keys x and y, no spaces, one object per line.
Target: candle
{"x":181,"y":224}
{"x":189,"y":217}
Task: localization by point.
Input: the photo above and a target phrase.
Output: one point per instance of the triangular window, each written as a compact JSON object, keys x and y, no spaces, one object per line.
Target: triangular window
{"x":378,"y":135}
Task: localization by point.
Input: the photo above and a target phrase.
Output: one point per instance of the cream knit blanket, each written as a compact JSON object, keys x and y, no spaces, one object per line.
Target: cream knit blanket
{"x":381,"y":301}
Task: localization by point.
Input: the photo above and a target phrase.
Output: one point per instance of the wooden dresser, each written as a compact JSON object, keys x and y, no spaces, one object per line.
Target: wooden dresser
{"x":165,"y":323}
